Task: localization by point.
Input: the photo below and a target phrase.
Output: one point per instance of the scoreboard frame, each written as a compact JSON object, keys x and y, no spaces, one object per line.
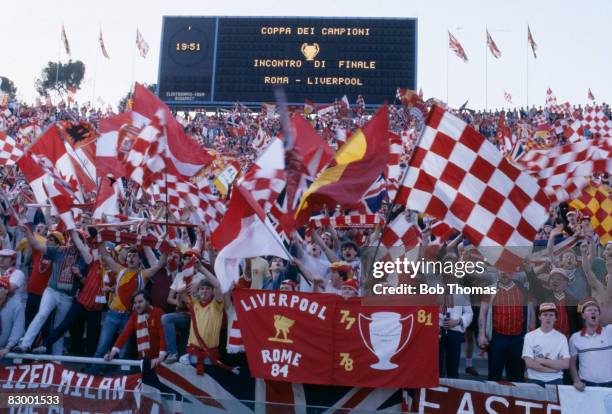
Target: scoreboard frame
{"x":212,"y":102}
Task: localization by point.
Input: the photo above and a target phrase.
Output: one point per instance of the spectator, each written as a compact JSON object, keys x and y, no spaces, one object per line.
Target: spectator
{"x":69,"y":264}
{"x":502,"y":322}
{"x":15,"y":276}
{"x":11,"y":318}
{"x":145,"y":323}
{"x":545,"y":350}
{"x":591,"y":348}
{"x":455,"y":316}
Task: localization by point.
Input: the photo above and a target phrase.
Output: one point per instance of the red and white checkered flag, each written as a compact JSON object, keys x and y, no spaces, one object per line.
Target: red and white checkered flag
{"x":551,"y":99}
{"x":265,"y":179}
{"x":597,"y":122}
{"x":563,"y":171}
{"x":457,"y":176}
{"x":456,"y":47}
{"x":401,"y":232}
{"x":10,"y":150}
{"x":492,"y":46}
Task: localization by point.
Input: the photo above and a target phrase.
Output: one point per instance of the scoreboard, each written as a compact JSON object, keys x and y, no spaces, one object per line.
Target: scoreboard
{"x":221,"y":60}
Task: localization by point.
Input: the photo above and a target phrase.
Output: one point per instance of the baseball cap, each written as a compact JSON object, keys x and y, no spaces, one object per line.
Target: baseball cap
{"x":559,"y":271}
{"x":8,"y":252}
{"x":58,"y":236}
{"x":547,"y":306}
{"x":586,"y":302}
{"x":352,"y":284}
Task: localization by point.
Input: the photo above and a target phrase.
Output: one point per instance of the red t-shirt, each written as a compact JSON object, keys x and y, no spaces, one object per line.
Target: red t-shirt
{"x":508,"y":310}
{"x":92,"y":288}
{"x":41,"y":272}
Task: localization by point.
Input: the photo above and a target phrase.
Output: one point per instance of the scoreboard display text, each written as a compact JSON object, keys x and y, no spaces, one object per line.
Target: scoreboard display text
{"x":221,"y":60}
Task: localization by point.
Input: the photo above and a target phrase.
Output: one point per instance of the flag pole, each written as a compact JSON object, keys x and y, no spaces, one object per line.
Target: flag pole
{"x":486,"y":71}
{"x":527,"y":67}
{"x":447,"y":47}
{"x":133,"y":64}
{"x":93,"y":93}
{"x":59,"y":54}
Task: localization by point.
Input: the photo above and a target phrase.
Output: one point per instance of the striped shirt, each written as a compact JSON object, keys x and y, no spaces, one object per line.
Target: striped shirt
{"x":508,"y":310}
{"x":594,"y":354}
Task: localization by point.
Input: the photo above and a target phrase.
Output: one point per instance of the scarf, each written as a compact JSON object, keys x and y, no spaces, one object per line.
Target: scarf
{"x":235,"y":343}
{"x":143,"y":342}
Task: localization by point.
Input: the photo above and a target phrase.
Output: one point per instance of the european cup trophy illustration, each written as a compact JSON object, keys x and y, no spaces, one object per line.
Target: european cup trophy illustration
{"x":385,"y":329}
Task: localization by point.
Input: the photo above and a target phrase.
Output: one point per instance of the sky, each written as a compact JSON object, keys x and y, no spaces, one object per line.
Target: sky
{"x":573,"y":39}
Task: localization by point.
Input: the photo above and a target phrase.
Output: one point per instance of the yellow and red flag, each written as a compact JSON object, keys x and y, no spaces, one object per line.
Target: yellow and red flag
{"x":596,"y":202}
{"x":357,"y":164}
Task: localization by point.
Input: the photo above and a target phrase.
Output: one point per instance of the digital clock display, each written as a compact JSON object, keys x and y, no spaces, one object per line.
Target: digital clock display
{"x":221,"y":60}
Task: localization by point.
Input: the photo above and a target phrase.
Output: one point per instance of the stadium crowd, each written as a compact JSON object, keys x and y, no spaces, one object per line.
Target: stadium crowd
{"x":550,"y":322}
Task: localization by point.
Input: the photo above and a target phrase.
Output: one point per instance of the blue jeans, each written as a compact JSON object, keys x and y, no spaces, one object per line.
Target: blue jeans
{"x":505,"y":351}
{"x":113,"y":324}
{"x":450,"y":352}
{"x":171,"y":323}
{"x":558,"y":381}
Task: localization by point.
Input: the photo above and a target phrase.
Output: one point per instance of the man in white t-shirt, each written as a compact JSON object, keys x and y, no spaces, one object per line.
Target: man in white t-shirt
{"x":593,"y":347}
{"x":545,"y":350}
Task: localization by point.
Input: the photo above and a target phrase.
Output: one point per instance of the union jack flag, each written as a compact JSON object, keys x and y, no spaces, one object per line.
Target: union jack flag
{"x":492,"y":46}
{"x":456,"y":47}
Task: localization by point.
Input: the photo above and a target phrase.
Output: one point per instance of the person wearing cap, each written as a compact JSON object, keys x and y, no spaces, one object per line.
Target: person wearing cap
{"x":591,"y":349}
{"x":350,"y":288}
{"x":601,"y":291}
{"x":130,"y":278}
{"x":567,"y":320}
{"x":288,"y":285}
{"x":545,"y":350}
{"x":70,"y":263}
{"x":40,"y":270}
{"x":12,"y":318}
{"x":577,"y":285}
{"x":16,"y":277}
{"x":349,"y":253}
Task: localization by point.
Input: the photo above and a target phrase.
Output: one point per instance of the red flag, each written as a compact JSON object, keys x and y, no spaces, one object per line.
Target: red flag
{"x":532,"y":42}
{"x":183,"y":151}
{"x":355,"y":167}
{"x":590,"y":95}
{"x":373,"y":345}
{"x":456,"y":47}
{"x":244,"y":232}
{"x":65,"y":41}
{"x":492,"y":46}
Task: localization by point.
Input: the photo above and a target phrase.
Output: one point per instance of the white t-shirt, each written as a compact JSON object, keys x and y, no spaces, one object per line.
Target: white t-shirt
{"x":594,"y":354}
{"x":550,"y":345}
{"x":179,"y":281}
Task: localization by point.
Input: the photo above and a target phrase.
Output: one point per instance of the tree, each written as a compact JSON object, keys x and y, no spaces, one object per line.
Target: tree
{"x":59,"y":79}
{"x":123,"y":102}
{"x":8,"y":87}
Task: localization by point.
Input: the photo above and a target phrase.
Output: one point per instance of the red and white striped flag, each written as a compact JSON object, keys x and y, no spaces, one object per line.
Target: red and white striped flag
{"x":103,"y":46}
{"x":459,"y":177}
{"x":532,"y":42}
{"x":65,"y":41}
{"x":141,"y":44}
{"x":10,"y":150}
{"x":456,"y":47}
{"x":492,"y":46}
